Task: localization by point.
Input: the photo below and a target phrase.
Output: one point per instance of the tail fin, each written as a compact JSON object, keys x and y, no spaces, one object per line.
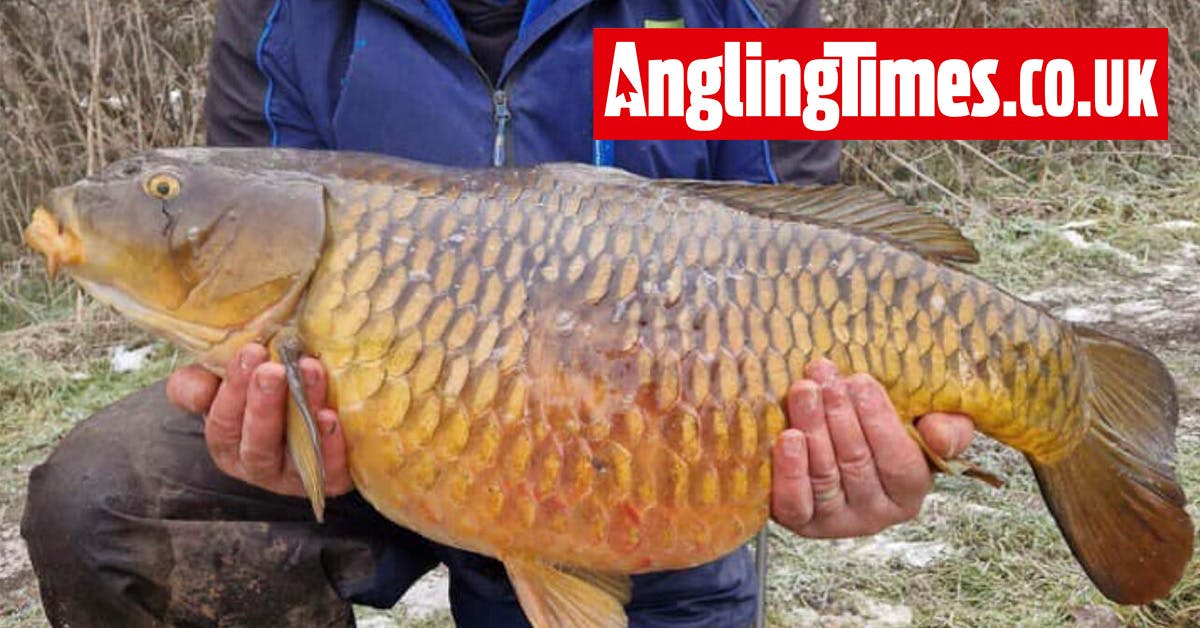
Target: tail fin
{"x":1115,"y":497}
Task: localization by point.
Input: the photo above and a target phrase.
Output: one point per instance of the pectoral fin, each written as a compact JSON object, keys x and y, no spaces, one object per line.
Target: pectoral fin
{"x":553,"y":597}
{"x":304,"y":443}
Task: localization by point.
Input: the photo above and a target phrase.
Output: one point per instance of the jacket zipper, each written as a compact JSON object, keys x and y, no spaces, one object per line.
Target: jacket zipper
{"x":501,"y":114}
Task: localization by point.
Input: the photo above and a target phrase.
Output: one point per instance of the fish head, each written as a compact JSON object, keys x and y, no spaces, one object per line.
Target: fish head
{"x":194,"y":250}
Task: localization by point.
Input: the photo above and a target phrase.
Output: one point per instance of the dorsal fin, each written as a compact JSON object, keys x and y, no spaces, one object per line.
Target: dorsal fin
{"x":860,"y":209}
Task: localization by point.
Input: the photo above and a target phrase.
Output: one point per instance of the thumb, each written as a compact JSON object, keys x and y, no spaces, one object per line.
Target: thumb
{"x":948,"y":435}
{"x":192,"y":388}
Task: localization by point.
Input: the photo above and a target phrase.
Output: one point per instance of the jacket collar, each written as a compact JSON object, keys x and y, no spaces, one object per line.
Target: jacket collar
{"x":540,"y":17}
{"x":437,"y":17}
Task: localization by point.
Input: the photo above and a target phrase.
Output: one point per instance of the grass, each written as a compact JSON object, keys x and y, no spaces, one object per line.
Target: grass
{"x":45,"y":389}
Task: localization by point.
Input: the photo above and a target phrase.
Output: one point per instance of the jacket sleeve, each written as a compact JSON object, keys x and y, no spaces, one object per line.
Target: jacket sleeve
{"x":252,"y":99}
{"x":782,"y":161}
{"x":804,"y":161}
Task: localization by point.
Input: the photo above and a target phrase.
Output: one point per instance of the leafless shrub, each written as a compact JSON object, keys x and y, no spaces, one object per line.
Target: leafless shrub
{"x":83,"y":82}
{"x":1034,"y":176}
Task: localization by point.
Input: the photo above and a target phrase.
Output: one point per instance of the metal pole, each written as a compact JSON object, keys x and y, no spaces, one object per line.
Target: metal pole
{"x":760,"y":569}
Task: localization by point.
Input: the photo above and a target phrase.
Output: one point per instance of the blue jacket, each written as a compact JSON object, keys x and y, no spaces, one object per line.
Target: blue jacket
{"x":397,"y":77}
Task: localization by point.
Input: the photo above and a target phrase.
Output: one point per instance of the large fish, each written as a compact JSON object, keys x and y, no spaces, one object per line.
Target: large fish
{"x":579,"y":371}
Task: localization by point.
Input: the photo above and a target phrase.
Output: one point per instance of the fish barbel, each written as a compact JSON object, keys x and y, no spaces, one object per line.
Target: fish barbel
{"x":579,"y":371}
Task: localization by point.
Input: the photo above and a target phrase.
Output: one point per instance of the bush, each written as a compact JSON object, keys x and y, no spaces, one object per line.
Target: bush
{"x":83,"y":82}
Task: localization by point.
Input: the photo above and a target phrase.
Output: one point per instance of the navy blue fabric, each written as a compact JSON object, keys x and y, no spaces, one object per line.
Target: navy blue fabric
{"x":719,"y":594}
{"x":395,"y":76}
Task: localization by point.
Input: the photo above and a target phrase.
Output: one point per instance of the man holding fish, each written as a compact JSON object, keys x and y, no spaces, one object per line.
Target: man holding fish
{"x":146,"y":516}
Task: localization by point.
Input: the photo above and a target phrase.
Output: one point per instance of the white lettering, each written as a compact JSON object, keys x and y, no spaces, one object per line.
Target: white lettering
{"x":704,"y":80}
{"x":665,"y":77}
{"x":1028,"y":69}
{"x":849,"y":52}
{"x":981,"y":76}
{"x":1141,"y":95}
{"x":625,"y":63}
{"x":953,"y":82}
{"x":908,"y":74}
{"x":754,"y":87}
{"x":1108,"y":105}
{"x":733,"y":78}
{"x":821,"y":80}
{"x":1060,"y":101}
{"x":783,"y":86}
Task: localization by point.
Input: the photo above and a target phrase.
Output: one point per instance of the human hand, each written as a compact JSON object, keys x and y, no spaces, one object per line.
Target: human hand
{"x":846,"y":467}
{"x":245,"y":420}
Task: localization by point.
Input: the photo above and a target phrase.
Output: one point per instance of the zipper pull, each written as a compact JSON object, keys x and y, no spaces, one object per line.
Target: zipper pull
{"x":501,"y":114}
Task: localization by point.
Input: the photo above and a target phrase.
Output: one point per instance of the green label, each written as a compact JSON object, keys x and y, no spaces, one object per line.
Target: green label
{"x":675,"y":23}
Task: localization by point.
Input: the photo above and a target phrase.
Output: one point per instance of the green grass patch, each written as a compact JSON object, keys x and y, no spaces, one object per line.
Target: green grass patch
{"x":28,"y":297}
{"x":41,"y":399}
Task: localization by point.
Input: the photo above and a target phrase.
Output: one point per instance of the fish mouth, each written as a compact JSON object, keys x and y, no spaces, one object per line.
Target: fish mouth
{"x":191,"y":336}
{"x":46,"y":235}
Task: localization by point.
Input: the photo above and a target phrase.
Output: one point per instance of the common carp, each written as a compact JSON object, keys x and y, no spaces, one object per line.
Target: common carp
{"x":579,"y":371}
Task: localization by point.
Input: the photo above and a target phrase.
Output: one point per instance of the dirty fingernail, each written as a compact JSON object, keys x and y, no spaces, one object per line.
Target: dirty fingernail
{"x":246,"y":360}
{"x":861,"y":393}
{"x":951,"y":445}
{"x":792,"y":442}
{"x":329,"y":420}
{"x":810,"y":398}
{"x":268,"y":382}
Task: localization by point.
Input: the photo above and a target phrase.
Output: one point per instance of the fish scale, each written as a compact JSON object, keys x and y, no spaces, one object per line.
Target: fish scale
{"x":615,"y":371}
{"x":582,"y":372}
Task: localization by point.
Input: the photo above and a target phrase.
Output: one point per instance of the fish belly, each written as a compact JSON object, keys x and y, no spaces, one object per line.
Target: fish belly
{"x":592,"y":373}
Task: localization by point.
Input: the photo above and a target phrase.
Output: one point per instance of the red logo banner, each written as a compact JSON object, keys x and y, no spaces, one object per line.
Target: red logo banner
{"x":1022,"y":83}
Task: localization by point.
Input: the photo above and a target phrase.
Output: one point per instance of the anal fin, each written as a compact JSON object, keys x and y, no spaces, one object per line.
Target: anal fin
{"x":560,"y":597}
{"x":953,"y":467}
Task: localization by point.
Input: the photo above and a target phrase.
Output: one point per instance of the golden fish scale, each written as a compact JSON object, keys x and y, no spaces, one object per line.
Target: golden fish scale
{"x":533,"y":363}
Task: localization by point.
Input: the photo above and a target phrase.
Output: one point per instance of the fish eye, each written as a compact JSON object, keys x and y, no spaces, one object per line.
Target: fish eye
{"x":162,"y":186}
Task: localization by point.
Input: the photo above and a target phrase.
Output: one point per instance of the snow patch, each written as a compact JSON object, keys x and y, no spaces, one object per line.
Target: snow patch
{"x":376,"y":621}
{"x":124,"y":360}
{"x":428,"y":595}
{"x":941,"y":500}
{"x":1178,"y":225}
{"x":1076,"y":239}
{"x":1084,"y":315}
{"x":14,"y":558}
{"x":1161,"y":301}
{"x":917,"y":554}
{"x":881,"y":615}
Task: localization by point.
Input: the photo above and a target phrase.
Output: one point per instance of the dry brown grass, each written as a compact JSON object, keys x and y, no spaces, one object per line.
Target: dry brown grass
{"x":83,"y":82}
{"x":1021,"y":175}
{"x":122,"y":76}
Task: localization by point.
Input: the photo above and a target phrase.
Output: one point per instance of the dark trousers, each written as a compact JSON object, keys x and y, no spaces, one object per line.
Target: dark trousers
{"x":129,"y":524}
